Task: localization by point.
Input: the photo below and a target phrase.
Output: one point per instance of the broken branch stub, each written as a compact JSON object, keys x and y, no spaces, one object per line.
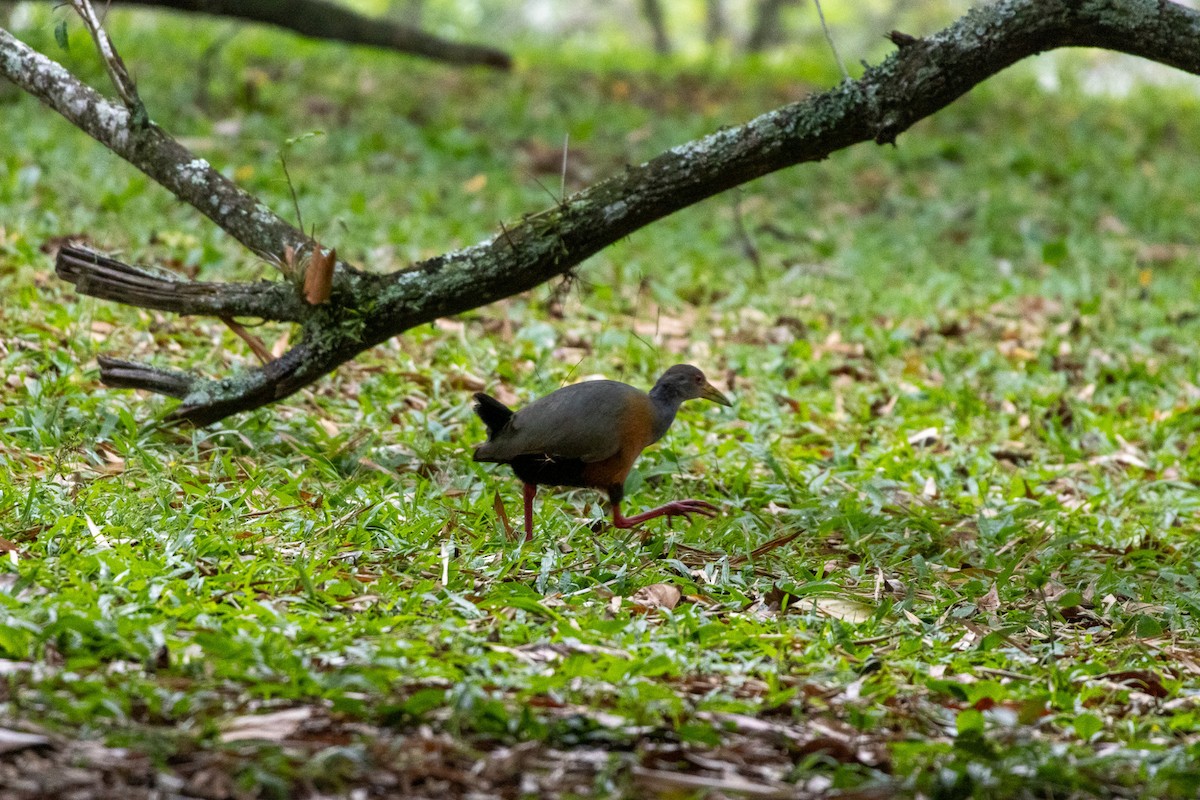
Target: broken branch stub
{"x":108,"y":279}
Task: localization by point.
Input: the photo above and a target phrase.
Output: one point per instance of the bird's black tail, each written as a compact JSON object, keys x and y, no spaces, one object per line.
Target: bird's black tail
{"x":495,"y":415}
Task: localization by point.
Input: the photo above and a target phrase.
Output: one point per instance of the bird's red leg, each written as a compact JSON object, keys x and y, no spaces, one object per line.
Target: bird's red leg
{"x":530,"y":493}
{"x":677,"y":508}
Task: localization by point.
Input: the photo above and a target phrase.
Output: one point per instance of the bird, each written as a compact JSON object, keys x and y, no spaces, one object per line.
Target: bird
{"x":589,"y":434}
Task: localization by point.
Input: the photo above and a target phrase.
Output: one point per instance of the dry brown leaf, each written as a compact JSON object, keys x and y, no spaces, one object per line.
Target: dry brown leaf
{"x":794,"y":405}
{"x":777,"y":542}
{"x":1143,"y":680}
{"x":990,"y":601}
{"x":884,"y":408}
{"x":506,"y":395}
{"x":465,"y":381}
{"x":318,"y":276}
{"x":498,"y":504}
{"x":113,"y":464}
{"x":656,"y":595}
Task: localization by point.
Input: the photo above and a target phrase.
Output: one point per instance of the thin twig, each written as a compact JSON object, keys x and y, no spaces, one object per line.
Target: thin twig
{"x":124,"y":84}
{"x":829,"y":38}
{"x":562,"y":180}
{"x":291,"y":188}
{"x":743,"y":234}
{"x":1053,"y":634}
{"x":256,"y":344}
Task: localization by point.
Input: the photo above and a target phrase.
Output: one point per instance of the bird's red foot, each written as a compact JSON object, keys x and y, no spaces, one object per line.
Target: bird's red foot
{"x":676,"y":508}
{"x":681,"y":508}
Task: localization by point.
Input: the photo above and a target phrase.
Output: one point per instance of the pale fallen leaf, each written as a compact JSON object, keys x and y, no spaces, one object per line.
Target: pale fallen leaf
{"x":931,"y":488}
{"x":97,"y":535}
{"x":465,"y":381}
{"x":10,"y":667}
{"x":661,"y":782}
{"x":539,"y":653}
{"x":507,"y":396}
{"x":271,"y":727}
{"x":656,"y":595}
{"x":924,"y":438}
{"x":476,"y":184}
{"x":842,"y":608}
{"x":447,"y":325}
{"x":12,"y":741}
{"x":281,"y":344}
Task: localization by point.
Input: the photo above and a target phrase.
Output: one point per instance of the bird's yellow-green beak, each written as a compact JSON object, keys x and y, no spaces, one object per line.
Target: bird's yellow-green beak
{"x":710,"y":392}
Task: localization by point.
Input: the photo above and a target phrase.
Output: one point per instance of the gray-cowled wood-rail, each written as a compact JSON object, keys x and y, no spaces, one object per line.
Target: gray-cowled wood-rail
{"x":589,"y":435}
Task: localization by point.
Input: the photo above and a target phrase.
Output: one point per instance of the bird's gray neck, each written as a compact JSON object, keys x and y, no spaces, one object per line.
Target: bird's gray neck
{"x":665,"y":402}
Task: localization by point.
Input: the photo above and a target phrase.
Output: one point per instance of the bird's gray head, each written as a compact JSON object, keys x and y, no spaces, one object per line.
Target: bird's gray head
{"x":685,"y":382}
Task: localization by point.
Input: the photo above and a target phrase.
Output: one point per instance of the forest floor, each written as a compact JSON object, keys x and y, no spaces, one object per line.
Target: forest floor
{"x":957,"y":553}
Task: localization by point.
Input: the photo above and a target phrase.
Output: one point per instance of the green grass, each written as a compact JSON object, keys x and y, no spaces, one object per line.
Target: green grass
{"x":1005,"y":606}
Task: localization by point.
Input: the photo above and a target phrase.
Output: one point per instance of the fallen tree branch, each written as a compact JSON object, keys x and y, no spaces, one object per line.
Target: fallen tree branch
{"x":320,"y":19}
{"x":923,"y":76}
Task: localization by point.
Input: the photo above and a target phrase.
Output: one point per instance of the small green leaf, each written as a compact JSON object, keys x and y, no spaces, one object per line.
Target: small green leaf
{"x":1148,"y":627}
{"x":60,"y":35}
{"x":1088,"y":725}
{"x":423,"y":701}
{"x":1055,"y":252}
{"x":968,"y":720}
{"x":698,"y":733}
{"x":1071,"y":598}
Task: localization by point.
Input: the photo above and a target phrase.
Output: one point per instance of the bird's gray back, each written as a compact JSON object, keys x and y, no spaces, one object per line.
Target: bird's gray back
{"x":579,"y":421}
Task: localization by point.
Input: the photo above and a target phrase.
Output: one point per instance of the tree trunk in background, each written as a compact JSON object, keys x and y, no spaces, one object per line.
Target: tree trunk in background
{"x":658,"y":24}
{"x":768,"y":25}
{"x":714,"y":21}
{"x":321,"y":19}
